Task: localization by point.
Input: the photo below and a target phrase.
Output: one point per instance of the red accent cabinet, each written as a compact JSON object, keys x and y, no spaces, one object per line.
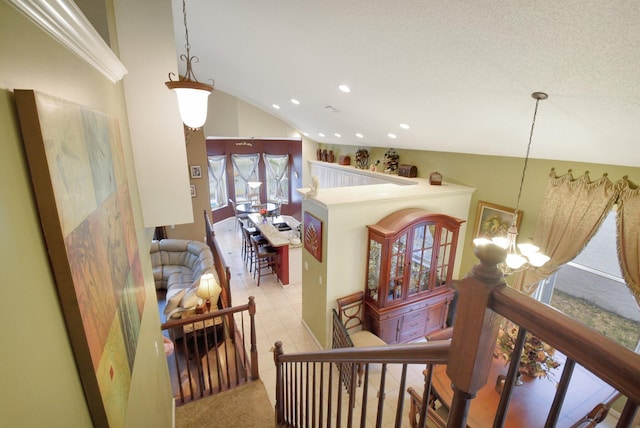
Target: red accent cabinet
{"x":410,"y":260}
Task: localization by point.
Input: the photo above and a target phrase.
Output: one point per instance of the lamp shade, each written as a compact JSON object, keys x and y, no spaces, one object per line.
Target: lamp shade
{"x":192,"y":101}
{"x":208,"y":287}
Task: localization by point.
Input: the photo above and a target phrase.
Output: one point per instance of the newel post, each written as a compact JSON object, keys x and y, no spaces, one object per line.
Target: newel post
{"x":475,"y":331}
{"x":277,"y":352}
{"x":254,"y":348}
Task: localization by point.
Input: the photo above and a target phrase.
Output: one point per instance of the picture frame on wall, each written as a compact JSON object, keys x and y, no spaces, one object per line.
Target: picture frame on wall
{"x":493,"y":220}
{"x":312,"y":235}
{"x":196,"y":171}
{"x":193,"y":190}
{"x":78,"y":171}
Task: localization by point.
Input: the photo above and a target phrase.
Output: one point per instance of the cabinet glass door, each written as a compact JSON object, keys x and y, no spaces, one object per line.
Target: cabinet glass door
{"x":396,"y":268}
{"x":421,"y":254}
{"x":445,"y":261}
{"x":373,"y":274}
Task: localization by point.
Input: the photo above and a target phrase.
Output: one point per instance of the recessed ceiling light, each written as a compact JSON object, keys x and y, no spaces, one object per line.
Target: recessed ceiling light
{"x":321,"y":134}
{"x":294,"y":101}
{"x":359,"y":135}
{"x":306,"y":134}
{"x":404,"y":126}
{"x":390,"y":135}
{"x":276,"y":106}
{"x":337,"y":135}
{"x":344,"y":88}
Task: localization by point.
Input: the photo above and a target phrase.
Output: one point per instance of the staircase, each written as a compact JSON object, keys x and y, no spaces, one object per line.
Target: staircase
{"x":311,"y":390}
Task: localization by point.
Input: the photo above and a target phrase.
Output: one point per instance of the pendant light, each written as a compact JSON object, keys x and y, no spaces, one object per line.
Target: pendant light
{"x":192,"y":95}
{"x":519,"y":256}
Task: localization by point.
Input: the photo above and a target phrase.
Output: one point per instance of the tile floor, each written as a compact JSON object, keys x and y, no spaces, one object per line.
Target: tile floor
{"x":279,"y":317}
{"x":278,"y":307}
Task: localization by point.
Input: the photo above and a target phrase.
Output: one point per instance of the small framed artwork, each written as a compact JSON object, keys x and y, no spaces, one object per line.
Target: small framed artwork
{"x":312,"y":236}
{"x":196,"y":171}
{"x":494,"y":220}
{"x":193,"y":191}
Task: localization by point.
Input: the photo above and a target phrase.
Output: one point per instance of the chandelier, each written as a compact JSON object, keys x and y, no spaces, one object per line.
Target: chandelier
{"x":192,"y":95}
{"x":519,"y":256}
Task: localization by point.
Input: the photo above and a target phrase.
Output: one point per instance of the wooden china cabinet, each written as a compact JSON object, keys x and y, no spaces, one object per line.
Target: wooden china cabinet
{"x":409,"y":271}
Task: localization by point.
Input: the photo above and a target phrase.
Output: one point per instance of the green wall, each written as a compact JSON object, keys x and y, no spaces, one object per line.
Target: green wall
{"x":496,"y":179}
{"x":41,"y":386}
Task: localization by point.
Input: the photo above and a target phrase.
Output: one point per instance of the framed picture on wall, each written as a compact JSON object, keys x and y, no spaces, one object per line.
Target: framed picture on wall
{"x":312,"y":236}
{"x":81,"y":187}
{"x":193,"y":191}
{"x":493,"y":220}
{"x":196,"y":171}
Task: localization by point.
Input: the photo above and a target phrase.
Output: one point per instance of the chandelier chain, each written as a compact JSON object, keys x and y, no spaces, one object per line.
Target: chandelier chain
{"x":186,"y":28}
{"x":526,"y":159}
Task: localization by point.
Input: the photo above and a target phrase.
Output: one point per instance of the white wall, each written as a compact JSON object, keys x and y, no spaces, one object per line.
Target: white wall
{"x":147,"y":49}
{"x":345,"y":213}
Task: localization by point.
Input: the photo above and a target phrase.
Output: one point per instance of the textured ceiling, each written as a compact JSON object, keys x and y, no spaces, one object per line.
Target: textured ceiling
{"x":460,"y":73}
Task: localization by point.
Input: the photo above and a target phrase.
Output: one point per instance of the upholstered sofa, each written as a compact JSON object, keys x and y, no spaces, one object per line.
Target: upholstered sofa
{"x":178,"y":265}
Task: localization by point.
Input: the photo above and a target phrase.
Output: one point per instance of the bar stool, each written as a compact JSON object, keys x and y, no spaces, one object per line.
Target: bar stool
{"x":246,"y":245}
{"x":248,"y":252}
{"x":265,"y":257}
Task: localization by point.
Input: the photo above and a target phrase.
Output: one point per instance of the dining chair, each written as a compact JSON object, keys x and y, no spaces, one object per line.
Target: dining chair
{"x":243,"y":216}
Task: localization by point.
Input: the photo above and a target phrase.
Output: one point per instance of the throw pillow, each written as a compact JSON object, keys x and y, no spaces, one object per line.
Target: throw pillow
{"x":173,"y":300}
{"x":190,"y":299}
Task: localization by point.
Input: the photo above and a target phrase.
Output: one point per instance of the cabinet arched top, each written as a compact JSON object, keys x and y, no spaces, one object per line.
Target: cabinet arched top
{"x":398,"y":220}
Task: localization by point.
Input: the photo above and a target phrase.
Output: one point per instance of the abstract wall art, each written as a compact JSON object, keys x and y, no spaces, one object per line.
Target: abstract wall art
{"x":79,"y":179}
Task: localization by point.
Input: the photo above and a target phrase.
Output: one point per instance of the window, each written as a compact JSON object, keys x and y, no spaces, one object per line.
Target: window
{"x":591,"y":290}
{"x":245,"y":169}
{"x":218,"y":181}
{"x":277,"y":168}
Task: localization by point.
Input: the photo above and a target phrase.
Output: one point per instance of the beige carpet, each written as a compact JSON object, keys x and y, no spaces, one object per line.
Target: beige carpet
{"x":246,"y":406}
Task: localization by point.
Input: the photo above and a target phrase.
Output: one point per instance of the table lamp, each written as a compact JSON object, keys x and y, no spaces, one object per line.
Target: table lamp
{"x":208,"y":288}
{"x":254,"y":193}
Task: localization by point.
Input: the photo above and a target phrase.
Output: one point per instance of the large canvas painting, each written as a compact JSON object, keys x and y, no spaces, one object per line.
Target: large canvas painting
{"x":80,"y":184}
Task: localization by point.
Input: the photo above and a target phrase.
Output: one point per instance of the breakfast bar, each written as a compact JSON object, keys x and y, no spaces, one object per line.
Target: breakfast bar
{"x":277,"y":240}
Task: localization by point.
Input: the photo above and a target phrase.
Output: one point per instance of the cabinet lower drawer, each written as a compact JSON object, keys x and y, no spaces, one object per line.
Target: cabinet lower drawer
{"x":414,"y":325}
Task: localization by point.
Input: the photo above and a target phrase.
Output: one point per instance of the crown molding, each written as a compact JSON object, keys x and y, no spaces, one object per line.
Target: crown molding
{"x":64,"y":21}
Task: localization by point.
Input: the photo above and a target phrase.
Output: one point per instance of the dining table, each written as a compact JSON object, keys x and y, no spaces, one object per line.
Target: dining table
{"x":249,"y":208}
{"x":530,"y":402}
{"x":278,"y":240}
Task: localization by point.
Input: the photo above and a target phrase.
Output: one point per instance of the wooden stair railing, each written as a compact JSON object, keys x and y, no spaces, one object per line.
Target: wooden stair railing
{"x":484,"y":300}
{"x":213,"y":352}
{"x":223,"y":271}
{"x":308,"y":392}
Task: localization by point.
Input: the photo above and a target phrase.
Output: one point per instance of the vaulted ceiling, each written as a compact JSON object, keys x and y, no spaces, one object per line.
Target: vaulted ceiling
{"x":460,"y":73}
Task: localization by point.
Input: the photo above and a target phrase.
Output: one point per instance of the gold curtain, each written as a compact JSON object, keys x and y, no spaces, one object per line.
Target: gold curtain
{"x":571,"y":213}
{"x":628,"y":221}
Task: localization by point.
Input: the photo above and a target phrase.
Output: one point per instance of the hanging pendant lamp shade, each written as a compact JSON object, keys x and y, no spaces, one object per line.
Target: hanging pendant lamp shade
{"x":192,"y":95}
{"x":192,"y":101}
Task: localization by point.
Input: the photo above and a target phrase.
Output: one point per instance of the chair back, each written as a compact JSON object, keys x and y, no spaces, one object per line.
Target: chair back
{"x":351,"y":310}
